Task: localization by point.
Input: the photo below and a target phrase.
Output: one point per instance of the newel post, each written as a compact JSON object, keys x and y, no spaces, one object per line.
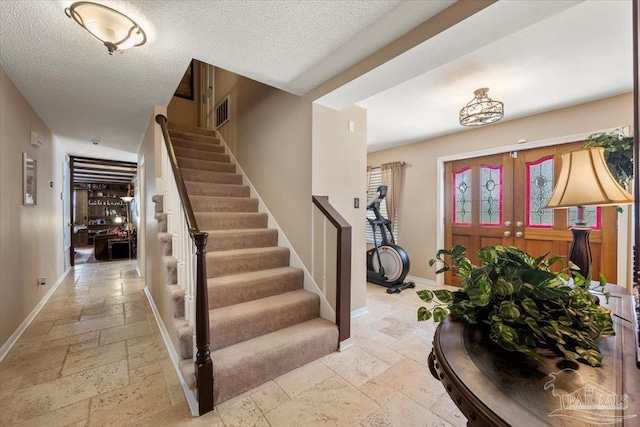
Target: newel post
{"x":203,"y":365}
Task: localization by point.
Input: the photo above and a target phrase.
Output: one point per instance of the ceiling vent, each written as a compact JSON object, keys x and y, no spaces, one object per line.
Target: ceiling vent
{"x":222,"y":112}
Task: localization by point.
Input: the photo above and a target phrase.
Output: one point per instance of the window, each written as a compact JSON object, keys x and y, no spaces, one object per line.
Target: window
{"x":462,"y":198}
{"x":376,"y":181}
{"x":539,"y":189}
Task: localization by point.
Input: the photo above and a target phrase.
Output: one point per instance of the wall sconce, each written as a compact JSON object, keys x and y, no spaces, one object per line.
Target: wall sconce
{"x":115,"y":30}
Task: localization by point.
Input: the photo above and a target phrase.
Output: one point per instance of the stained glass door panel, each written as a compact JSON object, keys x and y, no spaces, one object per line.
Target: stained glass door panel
{"x":479,"y":201}
{"x":503,"y":204}
{"x":548,"y":230}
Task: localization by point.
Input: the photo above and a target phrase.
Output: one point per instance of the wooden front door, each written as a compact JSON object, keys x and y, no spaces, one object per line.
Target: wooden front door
{"x":499,"y":200}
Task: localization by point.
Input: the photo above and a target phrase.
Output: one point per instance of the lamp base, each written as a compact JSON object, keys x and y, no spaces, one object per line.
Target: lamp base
{"x":580,"y":253}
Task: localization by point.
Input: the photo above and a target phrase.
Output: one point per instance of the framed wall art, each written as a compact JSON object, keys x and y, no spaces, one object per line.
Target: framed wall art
{"x":185,"y":88}
{"x":29,"y":180}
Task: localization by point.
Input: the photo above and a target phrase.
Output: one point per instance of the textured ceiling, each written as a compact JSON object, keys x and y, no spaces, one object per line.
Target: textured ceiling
{"x":533,"y":55}
{"x":82,"y":93}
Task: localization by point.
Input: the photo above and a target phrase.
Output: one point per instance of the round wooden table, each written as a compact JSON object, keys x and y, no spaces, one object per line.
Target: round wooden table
{"x":493,"y":387}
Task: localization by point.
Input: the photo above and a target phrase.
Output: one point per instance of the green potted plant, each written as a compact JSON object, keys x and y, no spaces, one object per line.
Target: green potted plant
{"x":618,"y":152}
{"x":522,"y":304}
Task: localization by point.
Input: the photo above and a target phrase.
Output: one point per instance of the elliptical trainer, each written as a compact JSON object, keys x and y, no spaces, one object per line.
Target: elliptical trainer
{"x":387,"y":263}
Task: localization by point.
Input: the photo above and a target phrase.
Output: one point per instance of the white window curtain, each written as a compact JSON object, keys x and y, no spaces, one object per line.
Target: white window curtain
{"x":392,"y":178}
{"x":374,"y":177}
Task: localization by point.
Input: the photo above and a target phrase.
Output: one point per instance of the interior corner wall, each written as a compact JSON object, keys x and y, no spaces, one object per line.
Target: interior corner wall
{"x":338,"y":171}
{"x":184,"y":111}
{"x":226,"y":85}
{"x":31,"y":237}
{"x":155,"y":281}
{"x":271,"y":131}
{"x":418,"y":215}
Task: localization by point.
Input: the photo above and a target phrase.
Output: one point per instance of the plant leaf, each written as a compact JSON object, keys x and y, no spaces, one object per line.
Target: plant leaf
{"x":439,"y":314}
{"x":509,"y":311}
{"x":503,"y":287}
{"x":423,"y":314}
{"x":592,"y":357}
{"x":444,"y":295}
{"x":425,"y":295}
{"x":530,"y":307}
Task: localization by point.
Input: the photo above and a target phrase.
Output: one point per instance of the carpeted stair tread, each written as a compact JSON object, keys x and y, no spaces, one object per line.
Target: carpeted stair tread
{"x":178,"y":129}
{"x":223,"y":204}
{"x":206,"y":165}
{"x":262,"y":321}
{"x":226,"y":240}
{"x":245,"y":365}
{"x":211,"y":146}
{"x":187,"y":369}
{"x":231,"y":220}
{"x":233,"y":324}
{"x":243,"y":287}
{"x":196,"y":175}
{"x":201,"y":154}
{"x":217,"y":190}
{"x":245,"y":260}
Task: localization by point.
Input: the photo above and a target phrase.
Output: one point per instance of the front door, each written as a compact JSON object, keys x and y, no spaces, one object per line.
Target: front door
{"x":499,"y":200}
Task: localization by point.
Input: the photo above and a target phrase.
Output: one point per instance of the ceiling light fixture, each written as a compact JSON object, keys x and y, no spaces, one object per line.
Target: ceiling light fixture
{"x":481,"y":110}
{"x":115,"y":30}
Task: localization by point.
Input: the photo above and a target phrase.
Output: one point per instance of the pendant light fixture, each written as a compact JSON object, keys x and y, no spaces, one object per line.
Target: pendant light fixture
{"x":481,"y":110}
{"x":115,"y":30}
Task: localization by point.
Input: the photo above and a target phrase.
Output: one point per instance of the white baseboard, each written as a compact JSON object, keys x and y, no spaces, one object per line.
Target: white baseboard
{"x":359,"y":312}
{"x":175,"y":360}
{"x":420,"y":280}
{"x":4,"y":350}
{"x":348,"y":343}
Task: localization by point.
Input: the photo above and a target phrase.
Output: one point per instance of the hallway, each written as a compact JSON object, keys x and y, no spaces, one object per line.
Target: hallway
{"x":94,"y":356}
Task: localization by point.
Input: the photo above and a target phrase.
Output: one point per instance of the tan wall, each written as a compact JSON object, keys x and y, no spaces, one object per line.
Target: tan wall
{"x":185,"y":111}
{"x":271,"y":138}
{"x":339,"y":159}
{"x":31,"y":239}
{"x":418,"y":215}
{"x":154,"y":278}
{"x":226,"y":84}
{"x":270,"y":132}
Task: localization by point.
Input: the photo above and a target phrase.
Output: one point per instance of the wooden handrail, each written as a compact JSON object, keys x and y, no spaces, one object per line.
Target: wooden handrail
{"x":203,"y":364}
{"x":343,"y":266}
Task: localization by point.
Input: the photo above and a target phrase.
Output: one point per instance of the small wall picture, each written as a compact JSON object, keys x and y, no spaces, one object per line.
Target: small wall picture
{"x":185,"y":88}
{"x":29,"y":180}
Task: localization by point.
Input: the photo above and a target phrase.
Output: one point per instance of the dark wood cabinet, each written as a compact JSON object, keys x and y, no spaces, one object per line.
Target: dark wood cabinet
{"x":100,"y":207}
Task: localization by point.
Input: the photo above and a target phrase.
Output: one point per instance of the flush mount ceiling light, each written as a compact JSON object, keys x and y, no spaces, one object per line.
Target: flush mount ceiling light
{"x":115,"y":30}
{"x":481,"y":110}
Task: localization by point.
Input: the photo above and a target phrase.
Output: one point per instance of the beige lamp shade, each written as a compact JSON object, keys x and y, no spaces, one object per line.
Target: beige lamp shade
{"x":127,"y":199}
{"x":585,"y":180}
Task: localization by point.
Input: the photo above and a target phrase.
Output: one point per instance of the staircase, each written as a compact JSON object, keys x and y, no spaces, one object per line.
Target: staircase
{"x":262,"y":322}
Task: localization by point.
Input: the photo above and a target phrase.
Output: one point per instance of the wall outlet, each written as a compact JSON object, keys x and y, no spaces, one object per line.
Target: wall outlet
{"x":42,"y":281}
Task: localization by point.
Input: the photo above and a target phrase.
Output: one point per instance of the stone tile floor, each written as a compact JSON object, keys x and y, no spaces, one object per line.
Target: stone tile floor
{"x":94,"y":356}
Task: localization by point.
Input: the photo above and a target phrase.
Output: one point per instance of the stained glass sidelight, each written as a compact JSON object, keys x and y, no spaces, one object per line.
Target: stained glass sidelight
{"x":539,"y":189}
{"x":462,"y":197}
{"x":591,"y":215}
{"x":491,"y":195}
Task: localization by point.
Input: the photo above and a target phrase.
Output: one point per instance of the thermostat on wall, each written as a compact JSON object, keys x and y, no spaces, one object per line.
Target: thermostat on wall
{"x":35,"y":139}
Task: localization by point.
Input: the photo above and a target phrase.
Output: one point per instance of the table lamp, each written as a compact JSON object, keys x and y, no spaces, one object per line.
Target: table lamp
{"x":585,"y":180}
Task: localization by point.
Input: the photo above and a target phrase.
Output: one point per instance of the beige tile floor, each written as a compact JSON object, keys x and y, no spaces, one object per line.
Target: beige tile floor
{"x":94,"y":357}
